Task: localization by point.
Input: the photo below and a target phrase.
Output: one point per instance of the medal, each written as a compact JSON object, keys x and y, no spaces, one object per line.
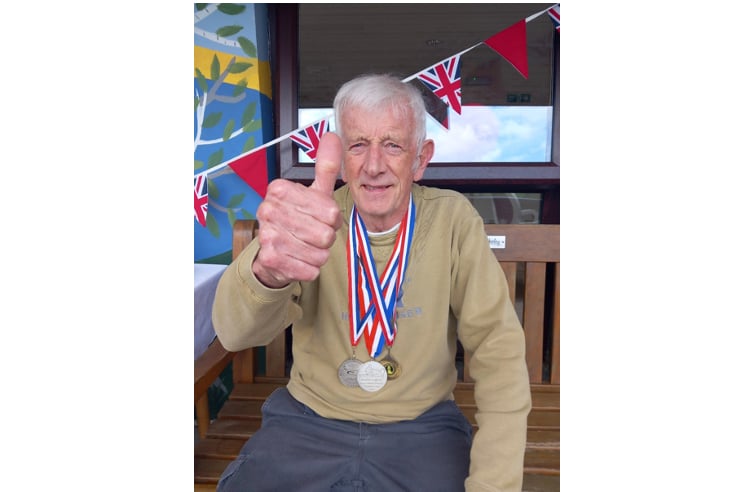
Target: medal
{"x":393,"y":369}
{"x":348,"y":372}
{"x":371,"y":376}
{"x":373,"y":300}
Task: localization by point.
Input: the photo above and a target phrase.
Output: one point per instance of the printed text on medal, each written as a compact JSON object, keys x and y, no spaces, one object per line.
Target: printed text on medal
{"x":371,"y":376}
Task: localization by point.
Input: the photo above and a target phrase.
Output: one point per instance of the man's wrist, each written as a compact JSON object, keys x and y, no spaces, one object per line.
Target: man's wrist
{"x":265,"y":278}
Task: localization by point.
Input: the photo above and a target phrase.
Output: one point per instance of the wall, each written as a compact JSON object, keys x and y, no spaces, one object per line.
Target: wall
{"x":232,"y":114}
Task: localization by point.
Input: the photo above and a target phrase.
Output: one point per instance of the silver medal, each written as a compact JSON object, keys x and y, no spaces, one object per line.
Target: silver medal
{"x":371,"y":376}
{"x":348,"y":372}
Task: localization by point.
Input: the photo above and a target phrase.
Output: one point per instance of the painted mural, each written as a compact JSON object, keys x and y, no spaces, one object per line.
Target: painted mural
{"x":232,"y":109}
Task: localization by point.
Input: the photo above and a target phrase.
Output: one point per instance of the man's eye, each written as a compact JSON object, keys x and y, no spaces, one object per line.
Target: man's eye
{"x":392,"y":148}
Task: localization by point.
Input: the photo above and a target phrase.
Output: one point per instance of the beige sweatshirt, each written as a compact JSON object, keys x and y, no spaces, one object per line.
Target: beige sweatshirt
{"x":453,"y":287}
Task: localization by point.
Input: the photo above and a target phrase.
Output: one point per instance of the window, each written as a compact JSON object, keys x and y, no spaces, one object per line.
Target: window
{"x":321,"y":46}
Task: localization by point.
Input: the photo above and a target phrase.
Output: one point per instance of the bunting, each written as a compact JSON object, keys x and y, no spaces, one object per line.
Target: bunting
{"x":553,"y":13}
{"x":308,"y":138}
{"x":252,"y":169}
{"x":511,"y":43}
{"x":443,"y":79}
{"x":200,"y":198}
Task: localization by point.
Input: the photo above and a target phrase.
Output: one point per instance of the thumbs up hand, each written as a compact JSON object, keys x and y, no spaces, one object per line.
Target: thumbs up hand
{"x":328,"y":163}
{"x":298,"y":224}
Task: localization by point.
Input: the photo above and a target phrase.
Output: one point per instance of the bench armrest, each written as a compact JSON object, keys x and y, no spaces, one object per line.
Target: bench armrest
{"x":208,"y":367}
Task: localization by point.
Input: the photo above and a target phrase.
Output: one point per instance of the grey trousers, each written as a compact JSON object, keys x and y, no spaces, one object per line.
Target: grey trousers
{"x":296,"y":450}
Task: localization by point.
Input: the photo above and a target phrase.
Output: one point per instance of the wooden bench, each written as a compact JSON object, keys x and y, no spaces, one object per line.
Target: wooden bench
{"x":530,"y":259}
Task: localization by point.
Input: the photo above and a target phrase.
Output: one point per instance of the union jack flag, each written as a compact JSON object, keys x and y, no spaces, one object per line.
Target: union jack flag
{"x":308,"y":138}
{"x":553,"y":12}
{"x":444,"y":80}
{"x":200,"y":198}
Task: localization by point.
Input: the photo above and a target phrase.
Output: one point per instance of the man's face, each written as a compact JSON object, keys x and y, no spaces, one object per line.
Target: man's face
{"x":381,"y":162}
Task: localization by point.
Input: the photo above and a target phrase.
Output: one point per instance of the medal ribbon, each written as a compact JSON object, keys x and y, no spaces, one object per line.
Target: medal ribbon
{"x":372,"y":301}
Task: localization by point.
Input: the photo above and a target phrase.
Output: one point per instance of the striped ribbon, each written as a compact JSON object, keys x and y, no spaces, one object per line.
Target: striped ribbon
{"x":371,"y":300}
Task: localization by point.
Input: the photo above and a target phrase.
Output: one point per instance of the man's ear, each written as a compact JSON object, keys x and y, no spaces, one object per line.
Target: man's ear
{"x":424,"y":157}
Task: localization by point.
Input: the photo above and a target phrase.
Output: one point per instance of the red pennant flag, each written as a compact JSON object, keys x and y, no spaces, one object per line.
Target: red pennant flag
{"x":252,"y":169}
{"x":511,"y":43}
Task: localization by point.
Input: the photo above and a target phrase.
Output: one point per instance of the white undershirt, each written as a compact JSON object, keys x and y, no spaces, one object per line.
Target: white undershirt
{"x":383,"y":233}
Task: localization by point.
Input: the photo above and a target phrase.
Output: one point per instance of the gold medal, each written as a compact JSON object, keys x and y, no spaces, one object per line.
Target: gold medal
{"x":393,"y":369}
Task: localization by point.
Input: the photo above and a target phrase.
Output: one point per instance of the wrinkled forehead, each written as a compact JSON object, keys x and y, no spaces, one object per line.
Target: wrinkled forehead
{"x":388,"y":121}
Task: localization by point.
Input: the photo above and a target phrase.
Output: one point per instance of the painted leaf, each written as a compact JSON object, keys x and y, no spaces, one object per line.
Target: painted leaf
{"x":236,"y":200}
{"x":248,"y":47}
{"x":249,"y":144}
{"x":211,"y":120}
{"x":229,"y":127}
{"x":228,"y":31}
{"x":240,"y":87}
{"x":215,"y":68}
{"x":216,"y":158}
{"x":231,"y":8}
{"x":211,"y":225}
{"x":240,"y":67}
{"x":252,"y":126}
{"x":248,"y":114}
{"x":201,"y":80}
{"x":212,"y":189}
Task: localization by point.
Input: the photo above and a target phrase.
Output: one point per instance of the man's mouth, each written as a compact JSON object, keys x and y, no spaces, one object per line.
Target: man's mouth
{"x":375,"y":188}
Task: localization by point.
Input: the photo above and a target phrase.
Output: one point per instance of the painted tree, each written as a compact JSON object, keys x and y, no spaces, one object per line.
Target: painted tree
{"x":225,"y":116}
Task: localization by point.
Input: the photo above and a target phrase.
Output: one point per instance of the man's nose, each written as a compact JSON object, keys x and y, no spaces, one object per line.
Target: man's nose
{"x":374,"y":161}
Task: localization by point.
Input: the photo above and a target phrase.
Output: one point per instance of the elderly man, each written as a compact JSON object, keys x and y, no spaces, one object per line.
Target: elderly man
{"x":379,"y":279}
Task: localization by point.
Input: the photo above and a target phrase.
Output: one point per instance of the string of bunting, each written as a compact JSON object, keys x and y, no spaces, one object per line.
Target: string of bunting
{"x":442,"y":78}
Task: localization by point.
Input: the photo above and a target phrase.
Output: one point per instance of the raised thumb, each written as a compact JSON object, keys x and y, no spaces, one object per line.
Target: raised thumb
{"x":328,"y":163}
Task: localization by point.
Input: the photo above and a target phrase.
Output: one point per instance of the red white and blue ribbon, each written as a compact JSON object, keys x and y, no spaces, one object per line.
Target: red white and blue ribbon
{"x":373,"y":300}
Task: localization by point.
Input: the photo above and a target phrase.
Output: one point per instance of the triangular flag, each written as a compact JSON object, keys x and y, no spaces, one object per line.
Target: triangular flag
{"x":200,"y":198}
{"x":444,"y":122}
{"x":555,"y":15}
{"x":252,"y":169}
{"x":444,"y":80}
{"x":308,"y":138}
{"x":437,"y":109}
{"x":511,"y":43}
